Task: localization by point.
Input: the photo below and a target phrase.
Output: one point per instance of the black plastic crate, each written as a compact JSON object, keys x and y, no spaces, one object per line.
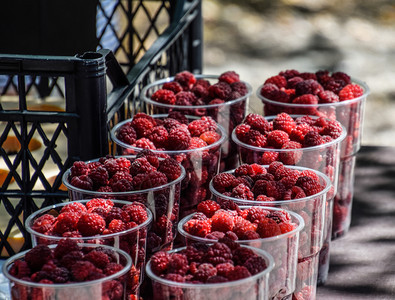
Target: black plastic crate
{"x":66,"y":105}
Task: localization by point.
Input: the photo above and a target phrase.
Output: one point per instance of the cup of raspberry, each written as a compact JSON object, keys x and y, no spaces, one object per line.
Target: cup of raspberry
{"x":116,"y":223}
{"x":307,"y":141}
{"x":144,"y":178}
{"x":271,"y":229}
{"x":298,"y":189}
{"x":195,"y":142}
{"x":224,"y":98}
{"x":223,"y":270}
{"x":336,"y":96}
{"x":68,"y":271}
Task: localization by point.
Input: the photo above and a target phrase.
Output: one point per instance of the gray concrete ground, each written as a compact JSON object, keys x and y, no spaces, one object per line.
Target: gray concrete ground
{"x":258,"y":39}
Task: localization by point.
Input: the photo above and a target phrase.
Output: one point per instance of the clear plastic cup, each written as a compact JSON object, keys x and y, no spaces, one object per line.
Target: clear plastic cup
{"x":200,"y":165}
{"x":251,"y":288}
{"x":349,"y":113}
{"x":94,"y":289}
{"x":283,"y":248}
{"x":324,"y":158}
{"x":163,"y":201}
{"x":312,"y":209}
{"x":228,"y":114}
{"x":132,"y":241}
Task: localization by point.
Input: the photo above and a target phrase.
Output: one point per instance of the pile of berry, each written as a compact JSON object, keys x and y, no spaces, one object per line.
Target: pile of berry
{"x":275,"y":182}
{"x":220,"y":262}
{"x":124,"y":174}
{"x":292,"y":86}
{"x":286,"y":133}
{"x":175,"y":132}
{"x":213,"y":222}
{"x":68,"y":263}
{"x":187,"y":90}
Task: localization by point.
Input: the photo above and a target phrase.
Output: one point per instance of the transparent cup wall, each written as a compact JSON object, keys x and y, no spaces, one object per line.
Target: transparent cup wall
{"x":163,"y":202}
{"x":324,"y":158}
{"x":132,"y":241}
{"x":312,"y":210}
{"x":350,"y":114}
{"x":251,"y":288}
{"x":283,"y":248}
{"x":228,"y":114}
{"x":200,"y":166}
{"x":95,"y":289}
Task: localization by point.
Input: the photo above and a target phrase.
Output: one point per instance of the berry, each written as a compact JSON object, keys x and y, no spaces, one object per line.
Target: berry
{"x":196,"y":143}
{"x":98,"y":258}
{"x":122,"y":185}
{"x":83,"y":182}
{"x":66,"y":222}
{"x":291,"y":157}
{"x":38,"y":256}
{"x":255,"y":138}
{"x":137,"y":213}
{"x":99,"y":176}
{"x":277,"y":138}
{"x":106,"y":204}
{"x":178,"y":139}
{"x":173,"y":86}
{"x":160,"y":262}
{"x":257,"y":122}
{"x":205,"y":271}
{"x":242,"y":132}
{"x":65,"y":246}
{"x":242,"y":226}
{"x":238,"y":272}
{"x":164,"y":96}
{"x":328,"y":97}
{"x":79,"y":168}
{"x":142,"y":126}
{"x":309,"y":185}
{"x":306,"y":99}
{"x":43,"y":223}
{"x":186,"y":79}
{"x":222,"y":221}
{"x":312,"y":138}
{"x":241,"y":191}
{"x":268,"y":227}
{"x":229,"y":77}
{"x":284,"y":122}
{"x":268,"y":157}
{"x":76,"y":207}
{"x":82,"y":269}
{"x":144,"y":143}
{"x":127,"y":134}
{"x":91,"y":224}
{"x":255,"y":265}
{"x":158,"y":135}
{"x":199,"y":228}
{"x":220,"y":90}
{"x":185,"y":98}
{"x":309,"y":86}
{"x":223,"y":181}
{"x":210,"y":137}
{"x":149,"y":180}
{"x":218,"y":253}
{"x":277,"y":80}
{"x":141,"y":165}
{"x":171,"y":168}
{"x":208,"y":207}
{"x":178,"y":264}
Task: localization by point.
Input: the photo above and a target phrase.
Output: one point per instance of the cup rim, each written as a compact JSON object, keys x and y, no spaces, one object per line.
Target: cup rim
{"x":169,"y":152}
{"x":297,"y":105}
{"x":144,"y":98}
{"x":267,"y":256}
{"x":323,"y":192}
{"x":41,"y":211}
{"x":15,"y":257}
{"x":295,"y":215}
{"x":305,"y":149}
{"x":120,"y":194}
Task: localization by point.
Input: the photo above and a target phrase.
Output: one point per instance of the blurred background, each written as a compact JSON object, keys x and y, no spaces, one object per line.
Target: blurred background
{"x":260,"y":38}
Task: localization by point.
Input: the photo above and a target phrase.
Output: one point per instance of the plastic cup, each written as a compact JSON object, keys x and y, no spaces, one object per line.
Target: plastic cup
{"x":163,"y":201}
{"x":95,"y":289}
{"x":251,"y":288}
{"x":283,"y":248}
{"x":228,"y":114}
{"x":200,"y":165}
{"x":324,"y":158}
{"x":312,"y":209}
{"x":132,"y":241}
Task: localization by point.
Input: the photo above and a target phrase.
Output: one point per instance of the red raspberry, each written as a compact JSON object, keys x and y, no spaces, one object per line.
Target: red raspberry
{"x":173,"y":86}
{"x":291,"y":157}
{"x":43,"y":223}
{"x":264,"y":198}
{"x":127,"y":134}
{"x":142,"y":126}
{"x":309,"y":86}
{"x":81,"y":270}
{"x":257,"y":122}
{"x":114,"y":165}
{"x":289,"y":178}
{"x":292,"y":82}
{"x":144,"y":143}
{"x":20,"y":269}
{"x":242,"y":226}
{"x":223,"y":181}
{"x":256,"y":213}
{"x":122,"y":185}
{"x":83,"y":182}
{"x":200,"y":91}
{"x":298,"y":133}
{"x":198,"y":227}
{"x":307,"y":75}
{"x":198,"y":127}
{"x":268,"y":157}
{"x":205,"y":271}
{"x":242,"y":191}
{"x":341,"y":76}
{"x":98,"y":258}
{"x":218,"y":253}
{"x":239,"y":87}
{"x":106,"y":204}
{"x":229,"y":77}
{"x":289,"y":73}
{"x":220,"y":90}
{"x":222,"y":221}
{"x":267,"y":228}
{"x":333,"y":129}
{"x":158,"y":135}
{"x":328,"y":97}
{"x":350,"y":91}
{"x":277,"y":138}
{"x":272,"y":92}
{"x":277,"y":80}
{"x":284,"y":122}
{"x":306,"y":99}
{"x":178,"y":116}
{"x":137,"y":212}
{"x":76,"y":207}
{"x":91,"y":224}
{"x":65,"y":246}
{"x":170,"y":124}
{"x":118,"y":176}
{"x":185,"y":98}
{"x":255,"y":138}
{"x":186,"y":79}
{"x":178,"y":139}
{"x":171,"y":168}
{"x":210,"y":137}
{"x":275,"y":189}
{"x":208,"y":207}
{"x":238,"y":272}
{"x":196,"y":143}
{"x":255,"y":264}
{"x":309,"y":185}
{"x":164,"y":96}
{"x":79,"y":168}
{"x":274,"y":166}
{"x":99,"y":176}
{"x":178,"y":264}
{"x":311,"y":174}
{"x":140,"y":165}
{"x":116,"y":213}
{"x":242,"y":132}
{"x":112,"y":268}
{"x":312,"y":138}
{"x":287,"y":227}
{"x":149,"y":180}
{"x":295,"y":192}
{"x":66,"y":221}
{"x":160,"y":262}
{"x":38,"y":256}
{"x":334,"y":85}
